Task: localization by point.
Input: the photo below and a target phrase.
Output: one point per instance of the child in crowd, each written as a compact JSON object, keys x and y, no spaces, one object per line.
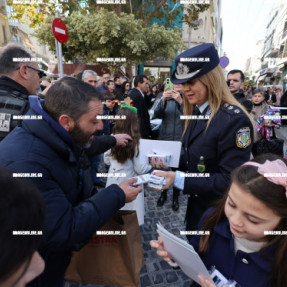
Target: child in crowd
{"x":125,"y":160}
{"x":247,"y":241}
{"x":259,"y":104}
{"x":110,"y":109}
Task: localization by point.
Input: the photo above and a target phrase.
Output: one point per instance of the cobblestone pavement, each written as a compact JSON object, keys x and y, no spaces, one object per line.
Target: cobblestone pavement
{"x":157,"y":272}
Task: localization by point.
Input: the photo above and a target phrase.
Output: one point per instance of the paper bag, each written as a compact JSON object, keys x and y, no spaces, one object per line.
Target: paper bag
{"x":110,"y":259}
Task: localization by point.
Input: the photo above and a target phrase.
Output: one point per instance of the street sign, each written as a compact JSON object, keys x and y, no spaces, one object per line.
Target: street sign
{"x":60,"y":30}
{"x":224,"y":61}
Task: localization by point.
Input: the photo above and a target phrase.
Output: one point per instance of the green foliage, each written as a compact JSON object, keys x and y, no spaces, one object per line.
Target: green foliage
{"x":106,"y":35}
{"x":166,"y":12}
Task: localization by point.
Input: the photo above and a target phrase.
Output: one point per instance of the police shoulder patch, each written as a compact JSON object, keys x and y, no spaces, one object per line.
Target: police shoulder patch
{"x":243,"y":138}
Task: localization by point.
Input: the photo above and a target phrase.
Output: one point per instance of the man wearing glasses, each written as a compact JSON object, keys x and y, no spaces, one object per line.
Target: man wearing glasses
{"x":19,"y":78}
{"x":103,"y":87}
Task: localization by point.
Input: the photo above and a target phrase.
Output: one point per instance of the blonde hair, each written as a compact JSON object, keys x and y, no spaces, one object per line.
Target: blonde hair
{"x":217,"y":93}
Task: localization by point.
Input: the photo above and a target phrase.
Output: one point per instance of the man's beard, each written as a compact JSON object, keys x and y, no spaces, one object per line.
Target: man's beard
{"x":80,"y":138}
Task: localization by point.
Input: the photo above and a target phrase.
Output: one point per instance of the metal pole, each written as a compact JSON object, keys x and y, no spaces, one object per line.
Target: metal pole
{"x":59,"y":53}
{"x":189,"y":37}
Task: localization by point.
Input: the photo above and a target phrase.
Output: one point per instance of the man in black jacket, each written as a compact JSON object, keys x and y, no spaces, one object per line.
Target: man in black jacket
{"x":19,"y":77}
{"x":137,"y":96}
{"x":235,"y":82}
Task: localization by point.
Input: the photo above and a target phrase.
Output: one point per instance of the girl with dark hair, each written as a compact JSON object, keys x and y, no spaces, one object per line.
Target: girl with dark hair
{"x":246,"y":241}
{"x":126,"y":86}
{"x":124,"y":161}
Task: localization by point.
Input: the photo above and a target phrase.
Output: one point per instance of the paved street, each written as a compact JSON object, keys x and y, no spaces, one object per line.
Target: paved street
{"x":157,"y":272}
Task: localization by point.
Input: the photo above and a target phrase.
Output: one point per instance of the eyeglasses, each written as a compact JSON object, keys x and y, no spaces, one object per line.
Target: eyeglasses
{"x":41,"y":73}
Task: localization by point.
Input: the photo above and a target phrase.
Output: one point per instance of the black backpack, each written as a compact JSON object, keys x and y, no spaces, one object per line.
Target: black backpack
{"x":12,"y":103}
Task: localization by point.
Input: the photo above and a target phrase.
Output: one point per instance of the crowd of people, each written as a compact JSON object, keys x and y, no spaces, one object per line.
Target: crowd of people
{"x":56,"y":139}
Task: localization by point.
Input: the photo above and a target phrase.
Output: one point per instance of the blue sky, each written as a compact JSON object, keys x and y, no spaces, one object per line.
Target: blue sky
{"x":244,"y":23}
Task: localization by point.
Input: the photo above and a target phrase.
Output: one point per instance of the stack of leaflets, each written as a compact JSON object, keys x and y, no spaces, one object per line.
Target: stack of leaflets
{"x":153,"y":181}
{"x":183,"y":254}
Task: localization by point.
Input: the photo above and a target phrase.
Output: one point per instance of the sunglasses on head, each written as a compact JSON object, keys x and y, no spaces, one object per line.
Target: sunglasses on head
{"x":41,"y":73}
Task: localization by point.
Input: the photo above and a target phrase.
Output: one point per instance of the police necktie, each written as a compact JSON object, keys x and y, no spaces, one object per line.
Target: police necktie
{"x":195,"y":112}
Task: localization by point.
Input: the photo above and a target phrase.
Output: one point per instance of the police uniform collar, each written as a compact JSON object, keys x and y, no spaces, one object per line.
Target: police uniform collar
{"x":203,"y":107}
{"x":223,"y":230}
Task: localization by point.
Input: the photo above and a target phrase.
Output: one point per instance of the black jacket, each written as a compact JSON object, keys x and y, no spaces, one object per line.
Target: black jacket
{"x":143,"y":115}
{"x":240,"y":97}
{"x":13,"y":101}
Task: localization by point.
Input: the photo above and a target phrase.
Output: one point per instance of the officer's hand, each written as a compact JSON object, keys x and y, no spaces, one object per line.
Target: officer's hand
{"x":122,"y":139}
{"x":158,"y":164}
{"x":205,"y":282}
{"x":158,"y":244}
{"x":169,"y":178}
{"x":130,"y":191}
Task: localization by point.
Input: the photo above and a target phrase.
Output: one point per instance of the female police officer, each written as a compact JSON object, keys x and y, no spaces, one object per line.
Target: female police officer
{"x":217,"y":141}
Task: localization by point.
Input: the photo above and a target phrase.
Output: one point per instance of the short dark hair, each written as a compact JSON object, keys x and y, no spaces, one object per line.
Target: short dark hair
{"x":256,"y":91}
{"x":139,"y":79}
{"x":109,"y":81}
{"x":109,"y":96}
{"x":79,"y":76}
{"x":71,"y":97}
{"x":242,"y":77}
{"x":22,"y":209}
{"x":116,"y":78}
{"x":7,"y":53}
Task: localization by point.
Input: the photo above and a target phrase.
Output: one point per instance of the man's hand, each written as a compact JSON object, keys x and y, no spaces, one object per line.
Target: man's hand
{"x":130,"y":191}
{"x":122,"y":139}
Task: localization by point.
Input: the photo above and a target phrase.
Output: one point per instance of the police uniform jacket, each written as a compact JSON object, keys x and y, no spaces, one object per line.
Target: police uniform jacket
{"x":43,"y":147}
{"x":225,"y":145}
{"x":247,"y":269}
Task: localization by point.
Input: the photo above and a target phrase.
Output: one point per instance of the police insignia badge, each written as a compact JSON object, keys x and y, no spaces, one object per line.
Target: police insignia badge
{"x":201,"y":166}
{"x":182,"y":69}
{"x":243,"y":138}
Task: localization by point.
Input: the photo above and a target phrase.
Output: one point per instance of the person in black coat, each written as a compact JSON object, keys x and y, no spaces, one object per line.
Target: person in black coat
{"x":270,"y":96}
{"x":137,"y":97}
{"x":218,"y":134}
{"x":55,"y":151}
